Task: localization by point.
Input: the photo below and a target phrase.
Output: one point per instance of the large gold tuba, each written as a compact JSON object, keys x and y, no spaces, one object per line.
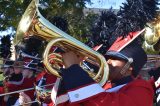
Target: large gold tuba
{"x":34,"y":24}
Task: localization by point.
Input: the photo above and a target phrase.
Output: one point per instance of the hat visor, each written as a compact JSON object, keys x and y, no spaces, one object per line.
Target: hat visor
{"x":117,"y":55}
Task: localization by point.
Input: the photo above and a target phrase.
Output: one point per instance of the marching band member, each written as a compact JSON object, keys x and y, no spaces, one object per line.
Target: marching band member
{"x":125,"y":61}
{"x":29,"y":76}
{"x":13,"y":80}
{"x":7,"y":68}
{"x":42,"y":79}
{"x":21,"y":77}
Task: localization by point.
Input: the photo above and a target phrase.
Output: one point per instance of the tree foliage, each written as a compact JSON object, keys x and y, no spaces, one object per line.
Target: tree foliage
{"x":72,"y":11}
{"x":12,"y":11}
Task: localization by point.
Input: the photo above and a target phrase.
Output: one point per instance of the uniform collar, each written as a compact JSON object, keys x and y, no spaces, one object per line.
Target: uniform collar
{"x":123,"y":80}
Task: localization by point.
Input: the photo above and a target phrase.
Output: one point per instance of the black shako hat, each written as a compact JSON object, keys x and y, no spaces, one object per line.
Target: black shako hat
{"x":127,"y":49}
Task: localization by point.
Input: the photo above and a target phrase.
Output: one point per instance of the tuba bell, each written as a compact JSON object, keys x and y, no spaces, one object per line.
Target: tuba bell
{"x":34,"y":24}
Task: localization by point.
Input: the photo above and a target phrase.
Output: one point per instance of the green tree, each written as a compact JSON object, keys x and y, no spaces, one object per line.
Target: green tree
{"x":72,"y":10}
{"x":12,"y":11}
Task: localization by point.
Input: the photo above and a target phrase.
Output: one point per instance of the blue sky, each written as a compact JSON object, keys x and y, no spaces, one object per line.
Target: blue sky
{"x":5,"y":32}
{"x":106,"y":4}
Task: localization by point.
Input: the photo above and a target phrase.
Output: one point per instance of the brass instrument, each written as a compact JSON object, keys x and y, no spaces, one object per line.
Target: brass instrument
{"x":153,"y":62}
{"x":34,"y":24}
{"x":152,"y":36}
{"x":39,"y":92}
{"x":27,"y":89}
{"x":23,"y":54}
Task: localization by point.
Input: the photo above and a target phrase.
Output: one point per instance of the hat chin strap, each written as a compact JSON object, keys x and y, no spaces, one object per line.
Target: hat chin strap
{"x":127,"y":65}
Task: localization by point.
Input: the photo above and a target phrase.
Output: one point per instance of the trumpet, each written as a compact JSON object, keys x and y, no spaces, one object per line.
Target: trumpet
{"x":23,"y":54}
{"x":42,"y":91}
{"x":37,"y":26}
{"x":23,"y":90}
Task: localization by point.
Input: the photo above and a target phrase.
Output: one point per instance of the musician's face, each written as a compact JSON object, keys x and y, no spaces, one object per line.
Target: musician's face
{"x":115,"y":66}
{"x":17,"y":70}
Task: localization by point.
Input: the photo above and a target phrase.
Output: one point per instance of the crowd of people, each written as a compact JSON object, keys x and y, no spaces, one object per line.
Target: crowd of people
{"x":19,"y":76}
{"x":76,"y":87}
{"x":28,"y":82}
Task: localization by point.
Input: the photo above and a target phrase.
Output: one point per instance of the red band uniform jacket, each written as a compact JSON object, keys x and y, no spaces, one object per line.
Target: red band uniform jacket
{"x":81,"y":90}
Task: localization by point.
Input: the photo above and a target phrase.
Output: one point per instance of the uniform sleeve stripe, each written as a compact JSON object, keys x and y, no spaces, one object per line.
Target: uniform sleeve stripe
{"x":85,"y":92}
{"x":62,"y":99}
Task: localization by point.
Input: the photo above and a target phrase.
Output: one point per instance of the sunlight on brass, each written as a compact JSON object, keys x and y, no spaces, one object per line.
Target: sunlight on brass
{"x":38,"y":26}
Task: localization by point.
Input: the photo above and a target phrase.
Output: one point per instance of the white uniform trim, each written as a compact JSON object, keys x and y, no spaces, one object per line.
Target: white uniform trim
{"x":157,"y":83}
{"x":115,"y":89}
{"x":85,"y":92}
{"x":62,"y":99}
{"x":88,"y":91}
{"x":54,"y":91}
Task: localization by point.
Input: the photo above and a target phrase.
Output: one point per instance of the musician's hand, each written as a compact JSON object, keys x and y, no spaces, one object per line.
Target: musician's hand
{"x":24,"y":98}
{"x":70,"y":58}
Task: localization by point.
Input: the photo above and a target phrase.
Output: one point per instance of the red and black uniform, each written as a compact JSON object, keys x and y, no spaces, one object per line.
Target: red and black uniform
{"x":29,"y":83}
{"x":82,"y":90}
{"x":18,"y":83}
